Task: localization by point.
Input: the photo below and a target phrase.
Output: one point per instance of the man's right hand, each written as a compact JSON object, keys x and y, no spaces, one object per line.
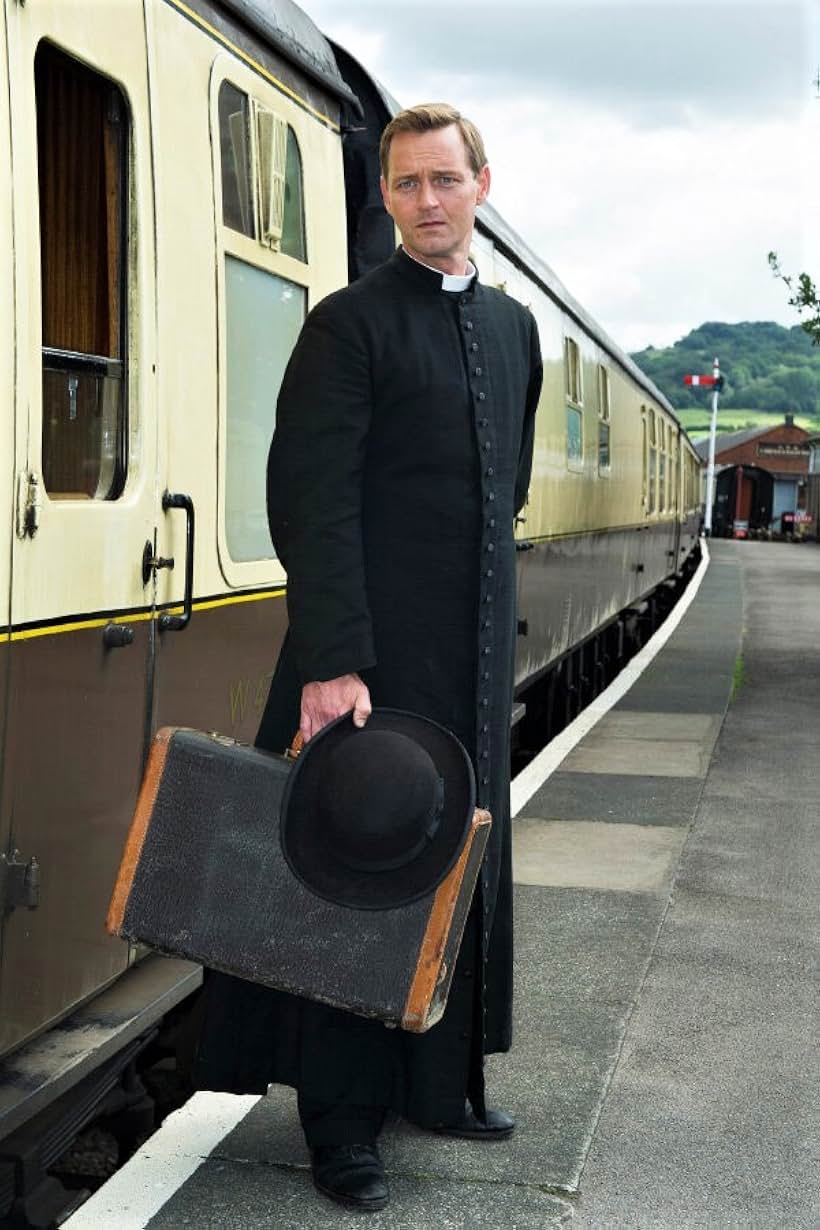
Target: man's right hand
{"x":325,"y":700}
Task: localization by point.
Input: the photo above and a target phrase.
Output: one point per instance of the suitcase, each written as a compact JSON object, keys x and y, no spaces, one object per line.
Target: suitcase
{"x":203,"y":876}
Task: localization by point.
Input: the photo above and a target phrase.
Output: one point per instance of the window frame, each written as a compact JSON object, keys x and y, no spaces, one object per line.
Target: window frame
{"x":252,"y":251}
{"x":604,"y":419}
{"x":101,"y":366}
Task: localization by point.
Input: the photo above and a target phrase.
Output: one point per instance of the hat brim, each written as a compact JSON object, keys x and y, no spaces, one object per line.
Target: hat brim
{"x":300,"y":826}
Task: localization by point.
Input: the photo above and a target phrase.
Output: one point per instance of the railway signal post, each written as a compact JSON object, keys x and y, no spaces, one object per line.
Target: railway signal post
{"x":715,"y":382}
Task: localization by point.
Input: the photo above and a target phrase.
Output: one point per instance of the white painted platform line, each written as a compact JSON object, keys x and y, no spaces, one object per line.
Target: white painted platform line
{"x":547,"y":761}
{"x":146,"y":1183}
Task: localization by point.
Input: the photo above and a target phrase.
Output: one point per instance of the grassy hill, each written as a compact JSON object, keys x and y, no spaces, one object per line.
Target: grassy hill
{"x":697,"y":422}
{"x":768,"y":370}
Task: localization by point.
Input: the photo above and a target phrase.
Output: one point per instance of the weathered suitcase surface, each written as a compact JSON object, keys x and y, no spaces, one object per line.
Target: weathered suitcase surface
{"x":203,"y":876}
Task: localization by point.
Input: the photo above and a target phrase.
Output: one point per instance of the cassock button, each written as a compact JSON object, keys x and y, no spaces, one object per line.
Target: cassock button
{"x":491,"y":523}
{"x":488,"y":573}
{"x":485,"y":755}
{"x":482,"y":397}
{"x":490,"y":546}
{"x":487,"y":446}
{"x":474,"y":345}
{"x":484,"y":729}
{"x":485,"y":676}
{"x":490,"y":472}
{"x":468,"y":973}
{"x":484,"y":704}
{"x":484,"y":422}
{"x":468,"y":325}
{"x":485,"y":781}
{"x":491,"y":496}
{"x":487,"y":650}
{"x":477,"y":371}
{"x":463,"y":300}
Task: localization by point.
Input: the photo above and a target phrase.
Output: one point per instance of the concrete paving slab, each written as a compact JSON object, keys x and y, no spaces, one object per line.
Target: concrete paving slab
{"x":616,"y":798}
{"x":231,"y":1195}
{"x":702,"y":728}
{"x":666,"y":758}
{"x":579,"y":957}
{"x":589,"y":854}
{"x":700,"y":690}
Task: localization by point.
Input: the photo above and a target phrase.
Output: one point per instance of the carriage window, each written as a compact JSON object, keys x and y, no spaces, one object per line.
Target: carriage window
{"x":572,"y":370}
{"x":235,"y":149}
{"x":603,"y":419}
{"x":575,"y":435}
{"x":263,"y":316}
{"x":651,"y":505}
{"x":262,"y":189}
{"x":293,"y":223}
{"x":82,"y":138}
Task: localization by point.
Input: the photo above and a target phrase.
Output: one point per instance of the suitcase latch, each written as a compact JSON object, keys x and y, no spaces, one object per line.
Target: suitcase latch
{"x":19,"y":882}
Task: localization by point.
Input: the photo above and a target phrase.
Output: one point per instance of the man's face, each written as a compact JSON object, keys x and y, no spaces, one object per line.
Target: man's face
{"x":431,"y":193}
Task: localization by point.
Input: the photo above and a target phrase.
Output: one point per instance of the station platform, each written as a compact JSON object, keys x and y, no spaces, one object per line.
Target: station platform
{"x":665,"y":1065}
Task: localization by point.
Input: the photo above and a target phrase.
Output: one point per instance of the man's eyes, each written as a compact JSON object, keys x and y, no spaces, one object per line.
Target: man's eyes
{"x":409,"y":185}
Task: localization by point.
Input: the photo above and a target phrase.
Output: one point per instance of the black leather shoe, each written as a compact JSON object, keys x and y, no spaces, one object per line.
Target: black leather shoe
{"x":352,"y":1175}
{"x":497,"y":1126}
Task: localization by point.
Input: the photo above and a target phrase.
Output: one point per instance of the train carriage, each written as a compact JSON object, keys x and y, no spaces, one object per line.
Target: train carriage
{"x":181,"y":183}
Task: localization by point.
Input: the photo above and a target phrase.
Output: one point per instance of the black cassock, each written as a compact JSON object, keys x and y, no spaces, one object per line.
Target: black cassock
{"x":402,"y":452}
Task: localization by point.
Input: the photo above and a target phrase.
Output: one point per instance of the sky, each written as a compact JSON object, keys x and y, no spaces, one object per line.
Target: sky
{"x":652,"y":152}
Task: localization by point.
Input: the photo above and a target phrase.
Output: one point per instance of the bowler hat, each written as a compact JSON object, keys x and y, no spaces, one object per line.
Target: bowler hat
{"x":375,"y":817}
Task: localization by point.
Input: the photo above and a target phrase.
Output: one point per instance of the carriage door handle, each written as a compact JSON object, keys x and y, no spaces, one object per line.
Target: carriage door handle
{"x":177,"y":623}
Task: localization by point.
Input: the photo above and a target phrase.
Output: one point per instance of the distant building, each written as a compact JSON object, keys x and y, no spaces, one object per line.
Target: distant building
{"x":813,"y":486}
{"x":761,"y":480}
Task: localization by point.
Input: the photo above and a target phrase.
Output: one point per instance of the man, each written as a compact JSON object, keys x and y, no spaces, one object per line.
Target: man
{"x":402,"y":452}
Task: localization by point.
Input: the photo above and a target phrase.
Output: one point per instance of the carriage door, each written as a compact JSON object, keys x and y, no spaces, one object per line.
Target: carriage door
{"x":81,"y":647}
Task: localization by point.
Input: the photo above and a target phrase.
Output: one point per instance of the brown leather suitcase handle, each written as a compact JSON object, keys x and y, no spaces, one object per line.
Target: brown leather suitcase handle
{"x":297,"y":743}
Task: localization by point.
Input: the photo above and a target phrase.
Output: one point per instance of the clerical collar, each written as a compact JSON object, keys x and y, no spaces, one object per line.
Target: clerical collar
{"x":449,"y":281}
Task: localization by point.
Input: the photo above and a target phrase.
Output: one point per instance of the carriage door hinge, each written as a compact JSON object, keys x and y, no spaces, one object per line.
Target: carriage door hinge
{"x":19,"y":883}
{"x":29,"y":503}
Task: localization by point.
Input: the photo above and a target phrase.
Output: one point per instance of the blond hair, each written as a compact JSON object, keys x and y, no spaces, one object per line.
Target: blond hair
{"x":426,"y":117}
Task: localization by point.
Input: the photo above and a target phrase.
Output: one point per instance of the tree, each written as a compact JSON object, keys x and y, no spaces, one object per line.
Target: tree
{"x":803,"y":297}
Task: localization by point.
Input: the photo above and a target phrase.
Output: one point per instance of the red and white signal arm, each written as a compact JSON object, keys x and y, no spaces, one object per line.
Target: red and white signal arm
{"x":702,"y":380}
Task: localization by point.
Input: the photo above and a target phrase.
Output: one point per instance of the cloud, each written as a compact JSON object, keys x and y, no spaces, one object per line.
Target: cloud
{"x":658,"y":63}
{"x":651,"y":153}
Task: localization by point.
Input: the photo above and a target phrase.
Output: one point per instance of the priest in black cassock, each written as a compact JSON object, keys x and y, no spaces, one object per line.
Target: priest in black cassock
{"x":402,"y":453}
